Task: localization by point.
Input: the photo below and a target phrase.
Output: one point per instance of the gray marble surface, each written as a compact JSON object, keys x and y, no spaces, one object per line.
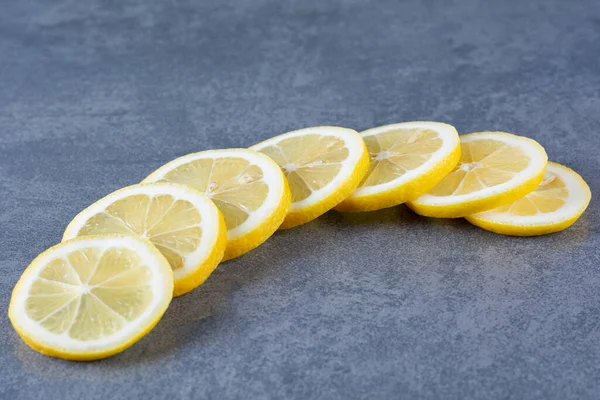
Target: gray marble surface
{"x":95,"y":95}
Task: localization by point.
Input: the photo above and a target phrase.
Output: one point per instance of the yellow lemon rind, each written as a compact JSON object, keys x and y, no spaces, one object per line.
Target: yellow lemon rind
{"x":462,"y":209}
{"x":516,"y":230}
{"x":475,"y":206}
{"x":202,"y":271}
{"x":262,"y":232}
{"x":51,"y":351}
{"x":410,"y":189}
{"x":552,"y":226}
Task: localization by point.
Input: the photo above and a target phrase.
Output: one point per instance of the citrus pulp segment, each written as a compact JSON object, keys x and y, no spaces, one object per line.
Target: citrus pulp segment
{"x":182,"y":223}
{"x":323,"y":166}
{"x":407,"y":160}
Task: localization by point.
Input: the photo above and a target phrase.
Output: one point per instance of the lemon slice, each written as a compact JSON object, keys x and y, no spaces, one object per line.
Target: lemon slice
{"x":553,"y":206}
{"x":91,"y":297}
{"x":247,"y":186}
{"x":323,"y":165}
{"x":495,"y":168}
{"x":407,"y":160}
{"x":182,"y":223}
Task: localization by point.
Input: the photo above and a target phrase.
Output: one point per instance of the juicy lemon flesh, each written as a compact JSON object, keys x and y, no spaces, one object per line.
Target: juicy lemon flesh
{"x":233,"y":184}
{"x":90,"y":293}
{"x":548,"y":197}
{"x":309,"y":162}
{"x":483,"y":164}
{"x":171,"y":224}
{"x":395,"y":152}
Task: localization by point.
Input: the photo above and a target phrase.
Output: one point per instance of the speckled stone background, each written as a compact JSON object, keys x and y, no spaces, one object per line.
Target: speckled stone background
{"x":95,"y":95}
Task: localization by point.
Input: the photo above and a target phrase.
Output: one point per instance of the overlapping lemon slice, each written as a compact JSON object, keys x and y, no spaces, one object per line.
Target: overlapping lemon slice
{"x":91,"y":297}
{"x":182,"y":223}
{"x":247,"y":186}
{"x":554,"y":205}
{"x":323,"y":166}
{"x":495,"y":168}
{"x":407,"y":160}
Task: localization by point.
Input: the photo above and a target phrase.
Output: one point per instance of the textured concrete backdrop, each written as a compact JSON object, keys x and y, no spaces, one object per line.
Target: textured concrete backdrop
{"x":95,"y":95}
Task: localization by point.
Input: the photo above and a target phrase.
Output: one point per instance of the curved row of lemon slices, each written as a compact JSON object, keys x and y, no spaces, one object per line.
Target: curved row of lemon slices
{"x":124,"y":257}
